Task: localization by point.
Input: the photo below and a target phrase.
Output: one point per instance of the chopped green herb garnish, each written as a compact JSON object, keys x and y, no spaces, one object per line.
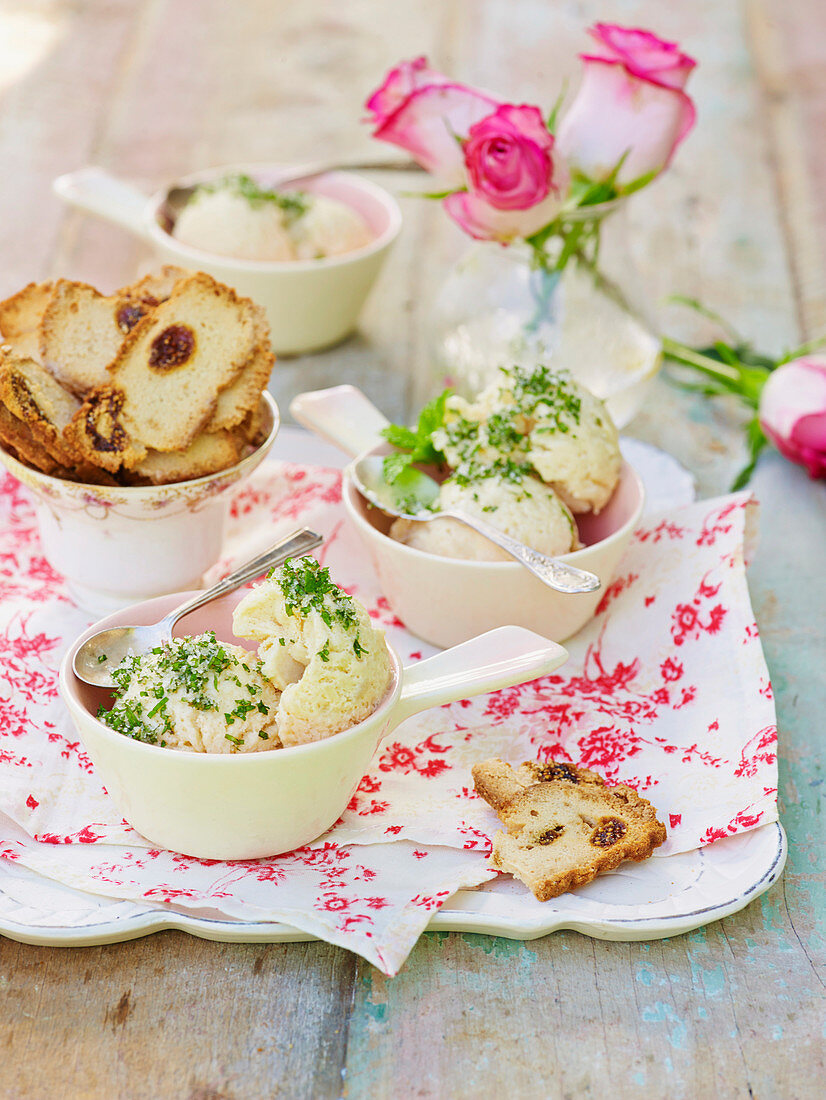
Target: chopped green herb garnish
{"x":102,"y":658}
{"x":294,"y":204}
{"x":324,"y":652}
{"x":238,"y":741}
{"x":186,"y":670}
{"x":307,"y":587}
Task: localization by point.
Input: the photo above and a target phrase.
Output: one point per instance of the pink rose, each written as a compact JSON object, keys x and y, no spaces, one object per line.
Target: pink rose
{"x":793,"y":412}
{"x":514,"y":185}
{"x":424,"y":113}
{"x":508,"y":158}
{"x":631,"y":102}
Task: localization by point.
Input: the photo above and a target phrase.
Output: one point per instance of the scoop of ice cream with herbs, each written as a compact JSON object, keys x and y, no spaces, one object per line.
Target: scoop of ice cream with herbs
{"x":526,"y":454}
{"x":238,"y":217}
{"x":321,"y":667}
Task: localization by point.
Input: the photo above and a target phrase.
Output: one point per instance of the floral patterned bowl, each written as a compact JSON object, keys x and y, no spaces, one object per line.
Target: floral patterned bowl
{"x":249,"y":805}
{"x":116,"y":545}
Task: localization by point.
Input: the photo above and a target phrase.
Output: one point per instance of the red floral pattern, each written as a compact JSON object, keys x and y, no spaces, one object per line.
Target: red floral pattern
{"x":666,"y":690}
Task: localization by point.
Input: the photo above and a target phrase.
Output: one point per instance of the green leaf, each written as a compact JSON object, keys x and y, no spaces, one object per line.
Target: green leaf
{"x":552,"y":117}
{"x":393,"y":466}
{"x":400,"y":436}
{"x":638,"y":183}
{"x":432,"y":416}
{"x":757,"y":443}
{"x":431,"y":194}
{"x":704,"y":311}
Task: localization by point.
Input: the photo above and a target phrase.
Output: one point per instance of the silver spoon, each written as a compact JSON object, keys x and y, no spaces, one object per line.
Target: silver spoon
{"x":417,"y":489}
{"x":99,"y":655}
{"x":179,"y":195}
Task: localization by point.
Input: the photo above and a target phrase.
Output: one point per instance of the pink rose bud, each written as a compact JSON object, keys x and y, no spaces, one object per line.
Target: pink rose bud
{"x":631,"y":103}
{"x":514,"y":185}
{"x":425,"y":113}
{"x":793,"y":412}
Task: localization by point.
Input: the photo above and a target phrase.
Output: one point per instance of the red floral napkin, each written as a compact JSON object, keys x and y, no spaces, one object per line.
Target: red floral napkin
{"x":665,"y":690}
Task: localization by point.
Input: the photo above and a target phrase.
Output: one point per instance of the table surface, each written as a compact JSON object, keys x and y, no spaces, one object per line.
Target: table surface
{"x":155,"y":88}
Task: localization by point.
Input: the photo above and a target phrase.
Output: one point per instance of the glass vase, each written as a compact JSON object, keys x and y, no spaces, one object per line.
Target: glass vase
{"x":497,"y":307}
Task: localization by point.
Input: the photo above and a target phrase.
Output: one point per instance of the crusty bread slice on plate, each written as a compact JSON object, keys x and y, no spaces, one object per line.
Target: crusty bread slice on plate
{"x":563,"y":832}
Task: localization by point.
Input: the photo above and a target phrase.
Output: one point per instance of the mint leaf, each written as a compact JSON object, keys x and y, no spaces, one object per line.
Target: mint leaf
{"x":394,"y":466}
{"x":432,"y":417}
{"x":400,"y":436}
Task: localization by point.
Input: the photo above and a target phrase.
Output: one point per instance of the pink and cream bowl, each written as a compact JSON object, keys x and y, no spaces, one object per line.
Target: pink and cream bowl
{"x":447,"y":600}
{"x":310,"y":304}
{"x":118,"y":544}
{"x":246,"y":806}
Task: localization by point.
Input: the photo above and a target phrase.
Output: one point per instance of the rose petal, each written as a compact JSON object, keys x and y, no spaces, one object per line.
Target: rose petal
{"x":616,"y":113}
{"x":398,"y":85}
{"x":487,"y":223}
{"x":643,"y":54}
{"x":430,"y":123}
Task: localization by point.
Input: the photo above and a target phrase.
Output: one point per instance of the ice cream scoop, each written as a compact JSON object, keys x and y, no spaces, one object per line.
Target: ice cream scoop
{"x":413,"y":496}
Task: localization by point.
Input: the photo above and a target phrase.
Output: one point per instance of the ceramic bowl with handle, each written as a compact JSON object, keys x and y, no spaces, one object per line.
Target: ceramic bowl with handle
{"x":310,"y":304}
{"x":446,"y":600}
{"x":121,"y":543}
{"x":245,"y":806}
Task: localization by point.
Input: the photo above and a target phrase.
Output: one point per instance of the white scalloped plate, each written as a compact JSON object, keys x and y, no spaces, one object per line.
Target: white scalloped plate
{"x":661,"y":897}
{"x":640,"y":901}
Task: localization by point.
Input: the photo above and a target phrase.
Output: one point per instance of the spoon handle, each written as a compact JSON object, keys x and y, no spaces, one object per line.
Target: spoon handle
{"x":556,"y":574}
{"x":294,"y":545}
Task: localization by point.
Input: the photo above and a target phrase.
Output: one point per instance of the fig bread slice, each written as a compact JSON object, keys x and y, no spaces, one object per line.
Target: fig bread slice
{"x":177,"y":360}
{"x":22,"y":313}
{"x":562,"y":832}
{"x":82,"y":332}
{"x":32,"y":396}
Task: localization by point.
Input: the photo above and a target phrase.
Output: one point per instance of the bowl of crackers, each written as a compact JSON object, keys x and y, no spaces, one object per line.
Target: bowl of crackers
{"x":130,"y":417}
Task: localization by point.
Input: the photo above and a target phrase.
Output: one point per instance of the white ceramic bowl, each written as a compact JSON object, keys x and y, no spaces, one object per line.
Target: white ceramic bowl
{"x":263,"y":803}
{"x":310,"y":304}
{"x":115,"y":545}
{"x":446,"y":600}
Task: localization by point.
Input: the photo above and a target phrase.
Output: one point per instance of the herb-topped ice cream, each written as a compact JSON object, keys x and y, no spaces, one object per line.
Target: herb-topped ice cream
{"x":238,"y":217}
{"x":543,"y":419}
{"x":322,"y":667}
{"x":527,"y":452}
{"x":196,"y":694}
{"x":319,"y":647}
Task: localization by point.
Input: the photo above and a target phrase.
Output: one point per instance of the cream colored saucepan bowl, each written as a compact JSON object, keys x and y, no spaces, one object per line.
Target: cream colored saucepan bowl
{"x":447,"y":600}
{"x":310,"y":304}
{"x":264,"y":803}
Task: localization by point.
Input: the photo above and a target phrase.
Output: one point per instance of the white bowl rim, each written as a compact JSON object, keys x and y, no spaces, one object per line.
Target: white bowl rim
{"x":380,"y":194}
{"x":146,"y":492}
{"x":375,"y":718}
{"x":574,"y":556}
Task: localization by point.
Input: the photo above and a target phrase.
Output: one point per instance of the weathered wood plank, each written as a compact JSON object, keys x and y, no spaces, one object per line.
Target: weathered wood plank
{"x":157,"y":88}
{"x":67,"y":57}
{"x":174,"y":1016}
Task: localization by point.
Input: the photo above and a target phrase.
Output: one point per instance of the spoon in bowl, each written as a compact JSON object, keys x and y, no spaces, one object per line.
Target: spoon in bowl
{"x":413,"y":495}
{"x":100,"y":655}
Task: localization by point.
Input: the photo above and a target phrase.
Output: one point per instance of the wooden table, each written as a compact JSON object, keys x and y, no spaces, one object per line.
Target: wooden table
{"x":155,"y":88}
